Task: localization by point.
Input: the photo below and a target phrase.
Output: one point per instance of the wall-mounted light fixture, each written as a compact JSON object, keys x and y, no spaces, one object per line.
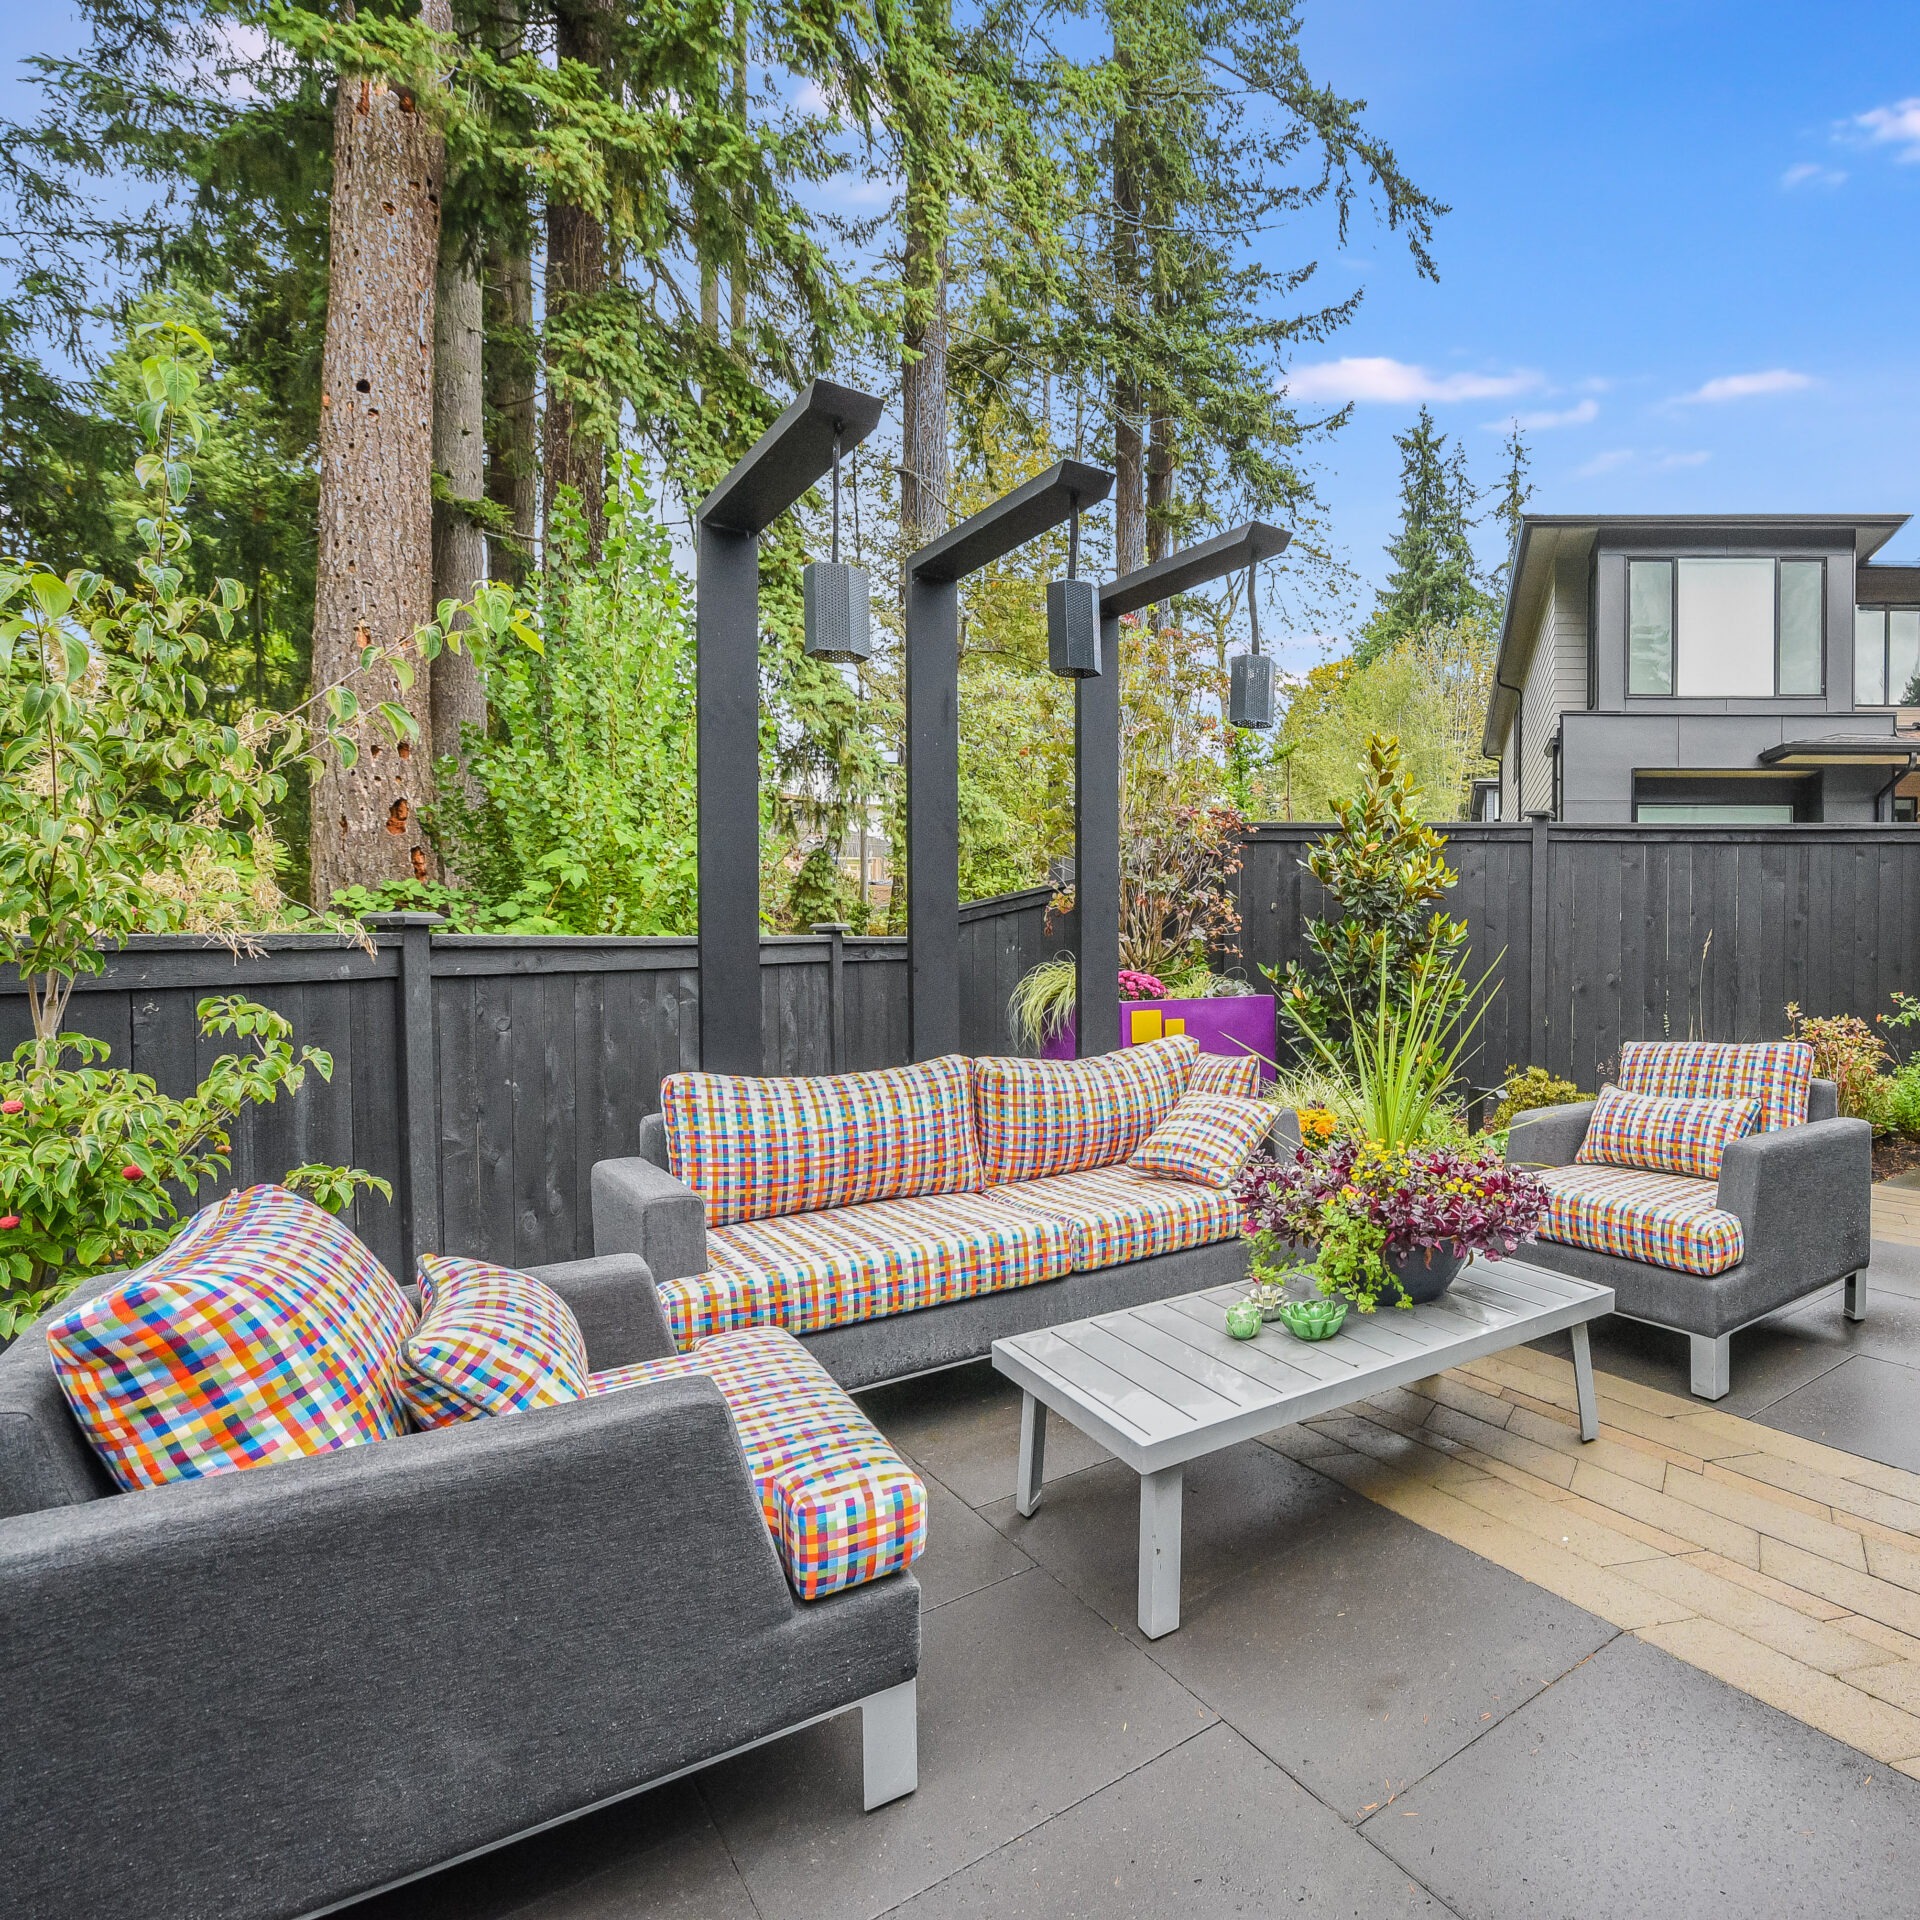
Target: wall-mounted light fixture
{"x":835,"y":600}
{"x":1073,"y":614}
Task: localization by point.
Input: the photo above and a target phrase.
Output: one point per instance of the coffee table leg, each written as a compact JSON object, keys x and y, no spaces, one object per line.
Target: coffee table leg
{"x":1160,"y":1551}
{"x":1583,"y":1384}
{"x":1033,"y":1453}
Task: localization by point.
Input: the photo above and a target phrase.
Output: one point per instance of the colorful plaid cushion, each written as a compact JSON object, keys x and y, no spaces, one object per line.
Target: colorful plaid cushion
{"x":1115,"y":1215}
{"x":1660,"y":1218}
{"x":1036,"y":1118}
{"x":489,"y":1341}
{"x":1206,"y":1138}
{"x":842,"y":1507}
{"x":753,"y":1148}
{"x":1663,"y":1135}
{"x":265,"y":1333}
{"x":1776,"y":1073}
{"x":813,"y":1270}
{"x":1216,"y":1073}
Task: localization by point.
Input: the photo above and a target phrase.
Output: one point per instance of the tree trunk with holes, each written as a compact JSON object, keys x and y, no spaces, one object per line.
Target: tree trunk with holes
{"x":374,"y":578}
{"x":459,"y":544}
{"x":511,"y":364}
{"x":574,"y":454}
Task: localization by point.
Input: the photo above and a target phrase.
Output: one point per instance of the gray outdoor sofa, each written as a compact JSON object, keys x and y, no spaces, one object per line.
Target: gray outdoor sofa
{"x":639,"y":1207}
{"x":1802,"y":1195}
{"x":267,"y":1693}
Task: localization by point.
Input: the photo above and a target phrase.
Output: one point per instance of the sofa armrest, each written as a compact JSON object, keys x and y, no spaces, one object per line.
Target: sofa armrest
{"x":1549,"y":1136}
{"x":1804,"y":1195}
{"x":384,"y":1657}
{"x":613,"y":1298}
{"x":641,"y":1208}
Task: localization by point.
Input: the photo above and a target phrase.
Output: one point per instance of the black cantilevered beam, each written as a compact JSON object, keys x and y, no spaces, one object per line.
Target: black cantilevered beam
{"x":933,"y":577}
{"x":1096,"y":766}
{"x":786,"y":460}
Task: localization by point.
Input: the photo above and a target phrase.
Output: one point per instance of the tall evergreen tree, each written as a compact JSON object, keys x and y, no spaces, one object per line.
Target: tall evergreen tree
{"x":1511,"y":505}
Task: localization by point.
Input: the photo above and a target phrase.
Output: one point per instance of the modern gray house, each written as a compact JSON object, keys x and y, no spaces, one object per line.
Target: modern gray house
{"x":1739,"y":669}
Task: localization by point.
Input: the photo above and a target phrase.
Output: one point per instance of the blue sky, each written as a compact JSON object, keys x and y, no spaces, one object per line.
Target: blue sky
{"x":1685,"y":250}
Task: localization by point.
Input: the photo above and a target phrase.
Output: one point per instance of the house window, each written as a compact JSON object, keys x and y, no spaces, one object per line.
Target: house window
{"x":1714,"y":628}
{"x":1886,"y":656}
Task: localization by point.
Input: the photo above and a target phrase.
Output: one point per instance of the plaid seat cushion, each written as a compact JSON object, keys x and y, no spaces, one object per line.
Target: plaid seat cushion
{"x":265,"y":1332}
{"x":489,"y":1341}
{"x":1665,"y":1135}
{"x":1777,"y":1073}
{"x":754,"y":1148}
{"x":1207,"y":1138}
{"x":1660,"y":1218}
{"x":1116,"y":1215}
{"x":1215,"y":1073}
{"x":842,"y":1507}
{"x":813,"y":1270}
{"x":1036,"y":1118}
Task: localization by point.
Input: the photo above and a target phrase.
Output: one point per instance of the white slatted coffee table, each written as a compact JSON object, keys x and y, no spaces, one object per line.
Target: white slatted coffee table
{"x":1165,"y":1383}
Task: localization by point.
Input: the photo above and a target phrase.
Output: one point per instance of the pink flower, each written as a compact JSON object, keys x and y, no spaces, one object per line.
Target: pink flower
{"x":130,"y":1173}
{"x":1135,"y":985}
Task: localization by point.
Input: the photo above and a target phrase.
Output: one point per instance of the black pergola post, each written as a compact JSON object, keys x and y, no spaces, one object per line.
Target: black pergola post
{"x":933,"y":577}
{"x":786,"y":460}
{"x":1096,"y":767}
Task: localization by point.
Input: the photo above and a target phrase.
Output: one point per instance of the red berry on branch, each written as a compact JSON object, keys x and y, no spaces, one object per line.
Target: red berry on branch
{"x":129,"y":1173}
{"x":8,"y":1222}
{"x":13,"y":1106}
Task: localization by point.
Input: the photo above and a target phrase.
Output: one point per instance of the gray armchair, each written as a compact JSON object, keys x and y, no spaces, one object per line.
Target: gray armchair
{"x":1802,"y":1195}
{"x":266,"y":1692}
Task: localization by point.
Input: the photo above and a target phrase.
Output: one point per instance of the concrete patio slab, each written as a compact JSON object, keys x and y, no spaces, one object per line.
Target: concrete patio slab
{"x":964,"y":1553}
{"x":1868,"y":1406}
{"x":1637,"y":1786}
{"x":1212,"y":1828}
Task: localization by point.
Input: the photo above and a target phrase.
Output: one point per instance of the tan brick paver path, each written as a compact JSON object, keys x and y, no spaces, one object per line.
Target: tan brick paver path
{"x":1785,"y":1568}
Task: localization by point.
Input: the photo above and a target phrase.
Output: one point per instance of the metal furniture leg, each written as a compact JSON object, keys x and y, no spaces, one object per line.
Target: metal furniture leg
{"x":1160,"y":1551}
{"x":890,"y":1743}
{"x":1583,"y":1383}
{"x":1033,"y":1454}
{"x":1857,"y":1295}
{"x":1712,"y":1365}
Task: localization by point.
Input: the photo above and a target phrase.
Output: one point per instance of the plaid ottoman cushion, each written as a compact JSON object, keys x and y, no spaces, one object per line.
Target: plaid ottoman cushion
{"x":1115,"y":1214}
{"x":265,"y":1332}
{"x":1207,"y":1138}
{"x":842,"y":1507}
{"x":1660,"y":1218}
{"x":1777,"y":1073}
{"x":489,"y":1341}
{"x":754,"y":1148}
{"x":1036,"y":1118}
{"x":1664,"y":1135}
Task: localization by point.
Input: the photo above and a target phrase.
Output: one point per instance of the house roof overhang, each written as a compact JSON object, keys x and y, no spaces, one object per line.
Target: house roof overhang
{"x":1846,"y":750}
{"x":1544,"y":537}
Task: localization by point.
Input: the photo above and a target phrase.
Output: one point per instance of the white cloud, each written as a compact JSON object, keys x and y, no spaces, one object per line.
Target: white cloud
{"x":1668,"y":461}
{"x":1747,"y":386}
{"x":1810,"y":173}
{"x":1605,"y":462}
{"x":1617,"y":457}
{"x":1378,"y":378}
{"x":1894,"y":126}
{"x":1577,"y":415}
{"x":812,"y":102}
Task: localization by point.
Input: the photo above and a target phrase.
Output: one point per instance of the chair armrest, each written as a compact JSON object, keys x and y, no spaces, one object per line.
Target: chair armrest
{"x":640,"y":1208}
{"x":228,"y":1695}
{"x":1804,"y":1194}
{"x":612,"y":1296}
{"x":1549,"y":1136}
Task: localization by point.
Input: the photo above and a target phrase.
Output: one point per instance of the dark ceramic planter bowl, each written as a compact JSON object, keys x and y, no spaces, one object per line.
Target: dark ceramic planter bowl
{"x":1426,"y":1272}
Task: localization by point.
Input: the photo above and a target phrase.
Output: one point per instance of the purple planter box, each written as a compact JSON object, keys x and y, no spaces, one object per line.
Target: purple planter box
{"x":1234,"y":1026}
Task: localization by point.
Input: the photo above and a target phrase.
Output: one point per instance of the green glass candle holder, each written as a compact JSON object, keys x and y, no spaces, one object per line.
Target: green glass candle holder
{"x":1313,"y":1319}
{"x":1243,"y":1319}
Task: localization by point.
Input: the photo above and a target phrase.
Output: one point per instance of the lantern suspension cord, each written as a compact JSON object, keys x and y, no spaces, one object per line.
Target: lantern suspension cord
{"x":836,"y":492}
{"x":1253,"y":606}
{"x":1073,"y":537}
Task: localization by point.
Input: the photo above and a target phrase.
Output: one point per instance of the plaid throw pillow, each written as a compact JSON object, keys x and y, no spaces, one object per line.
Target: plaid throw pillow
{"x":1662,"y":1135}
{"x":1777,"y":1073}
{"x":1215,"y":1073}
{"x":265,"y":1332}
{"x":754,"y":1148}
{"x":489,"y":1341}
{"x":1042,"y":1117}
{"x":1207,"y":1139}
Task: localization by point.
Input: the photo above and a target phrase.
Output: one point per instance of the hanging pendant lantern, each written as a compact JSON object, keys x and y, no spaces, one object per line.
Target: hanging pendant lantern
{"x":835,"y":599}
{"x":1073,"y":615}
{"x":1250,"y":688}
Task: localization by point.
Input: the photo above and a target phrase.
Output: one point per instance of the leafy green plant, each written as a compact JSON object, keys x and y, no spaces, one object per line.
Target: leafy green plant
{"x":1528,"y":1089}
{"x":1847,"y":1051}
{"x":93,"y":1159}
{"x":1043,"y":1001}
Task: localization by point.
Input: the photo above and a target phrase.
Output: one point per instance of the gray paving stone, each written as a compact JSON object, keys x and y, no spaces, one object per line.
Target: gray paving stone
{"x":963,"y":1426}
{"x":1211,"y":1828}
{"x":1028,"y":1703}
{"x":1865,"y":1406}
{"x":964,"y":1553}
{"x":1641,"y":1787}
{"x":1891,"y":1330}
{"x":1239,"y":1507}
{"x":1367,"y":1650}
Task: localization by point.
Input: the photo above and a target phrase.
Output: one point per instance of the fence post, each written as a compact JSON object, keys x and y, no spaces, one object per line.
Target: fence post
{"x":1540,"y":902}
{"x":836,"y":932}
{"x":419,"y":1107}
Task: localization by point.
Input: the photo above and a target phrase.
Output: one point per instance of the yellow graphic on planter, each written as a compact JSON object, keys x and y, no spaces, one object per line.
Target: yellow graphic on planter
{"x":1172,"y":1027}
{"x":1144,"y":1024}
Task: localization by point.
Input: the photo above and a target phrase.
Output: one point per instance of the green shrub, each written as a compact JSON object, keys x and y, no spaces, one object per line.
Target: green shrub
{"x":1524,"y":1091}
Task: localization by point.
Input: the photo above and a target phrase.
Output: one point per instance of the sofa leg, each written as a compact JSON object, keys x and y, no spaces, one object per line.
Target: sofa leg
{"x":1712,"y":1365}
{"x":890,"y":1738}
{"x":1857,"y":1295}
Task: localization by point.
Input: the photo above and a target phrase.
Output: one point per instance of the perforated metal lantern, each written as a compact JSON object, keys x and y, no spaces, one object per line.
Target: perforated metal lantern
{"x":1073,"y":628}
{"x":838,"y":609}
{"x":1250,"y":691}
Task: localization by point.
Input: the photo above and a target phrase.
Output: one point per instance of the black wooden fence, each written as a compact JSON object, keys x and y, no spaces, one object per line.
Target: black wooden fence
{"x":484,"y":1076}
